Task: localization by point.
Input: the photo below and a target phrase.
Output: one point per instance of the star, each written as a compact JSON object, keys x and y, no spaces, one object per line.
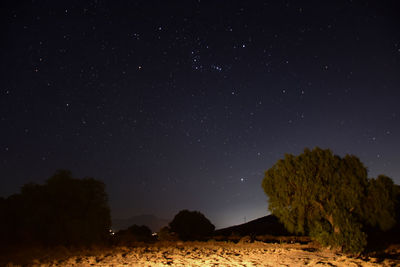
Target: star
{"x":161,"y":94}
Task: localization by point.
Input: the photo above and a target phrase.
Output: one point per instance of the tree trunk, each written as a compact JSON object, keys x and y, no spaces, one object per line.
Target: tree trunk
{"x":328,"y":217}
{"x":336,"y":229}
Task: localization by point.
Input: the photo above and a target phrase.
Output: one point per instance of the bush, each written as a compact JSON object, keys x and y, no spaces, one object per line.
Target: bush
{"x":191,"y":225}
{"x":133,"y":234}
{"x":165,"y":234}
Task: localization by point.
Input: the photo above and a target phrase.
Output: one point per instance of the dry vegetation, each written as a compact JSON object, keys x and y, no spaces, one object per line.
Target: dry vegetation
{"x":211,"y":253}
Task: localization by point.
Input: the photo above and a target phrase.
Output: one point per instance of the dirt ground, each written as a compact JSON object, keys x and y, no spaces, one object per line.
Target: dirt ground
{"x":211,"y":253}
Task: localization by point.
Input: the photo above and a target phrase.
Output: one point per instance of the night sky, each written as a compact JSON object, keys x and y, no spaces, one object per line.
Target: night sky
{"x":184,"y":104}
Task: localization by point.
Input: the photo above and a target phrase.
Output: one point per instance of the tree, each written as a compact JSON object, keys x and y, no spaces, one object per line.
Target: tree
{"x":64,"y":210}
{"x":329,"y":198}
{"x":79,"y":208}
{"x":191,"y":225}
{"x":381,"y":202}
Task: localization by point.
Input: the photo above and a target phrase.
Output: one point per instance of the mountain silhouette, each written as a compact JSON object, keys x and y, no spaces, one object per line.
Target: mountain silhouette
{"x":267,"y":225}
{"x":149,"y":220}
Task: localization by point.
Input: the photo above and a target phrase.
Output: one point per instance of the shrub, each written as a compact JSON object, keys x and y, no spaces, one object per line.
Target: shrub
{"x":165,"y":234}
{"x":191,"y":225}
{"x":133,"y":234}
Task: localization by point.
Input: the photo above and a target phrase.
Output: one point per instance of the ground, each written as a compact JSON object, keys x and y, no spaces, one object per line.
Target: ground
{"x":211,"y":253}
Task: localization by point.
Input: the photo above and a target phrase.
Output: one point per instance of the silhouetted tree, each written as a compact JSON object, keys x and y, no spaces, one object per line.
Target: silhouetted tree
{"x":329,"y":197}
{"x":191,"y":225}
{"x":5,"y":227}
{"x":64,"y":210}
{"x":379,"y":239}
{"x":134,"y":233}
{"x":381,"y":202}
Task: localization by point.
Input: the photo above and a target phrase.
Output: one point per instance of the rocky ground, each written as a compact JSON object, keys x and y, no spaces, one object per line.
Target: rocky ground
{"x":211,"y":253}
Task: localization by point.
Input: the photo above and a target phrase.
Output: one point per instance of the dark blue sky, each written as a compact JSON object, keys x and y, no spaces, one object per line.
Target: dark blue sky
{"x":184,"y":104}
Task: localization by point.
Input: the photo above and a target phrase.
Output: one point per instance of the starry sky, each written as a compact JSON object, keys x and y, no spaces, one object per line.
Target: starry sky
{"x":184,"y":104}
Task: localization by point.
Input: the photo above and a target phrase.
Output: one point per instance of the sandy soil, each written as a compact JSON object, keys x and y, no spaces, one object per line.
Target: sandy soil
{"x":210,"y":253}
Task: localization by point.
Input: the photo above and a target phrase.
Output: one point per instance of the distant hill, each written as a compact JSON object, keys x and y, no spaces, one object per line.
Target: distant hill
{"x":151,"y":221}
{"x":267,"y":225}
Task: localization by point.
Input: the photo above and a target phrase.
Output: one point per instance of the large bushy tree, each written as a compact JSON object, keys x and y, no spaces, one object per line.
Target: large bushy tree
{"x":329,"y":197}
{"x":191,"y":225}
{"x":64,"y":210}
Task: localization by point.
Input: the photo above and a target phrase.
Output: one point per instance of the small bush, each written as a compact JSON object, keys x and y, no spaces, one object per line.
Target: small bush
{"x":133,"y":234}
{"x":165,"y":234}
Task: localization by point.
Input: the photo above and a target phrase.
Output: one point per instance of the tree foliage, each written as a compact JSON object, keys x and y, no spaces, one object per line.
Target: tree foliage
{"x":329,"y":198}
{"x":134,"y":233}
{"x":191,"y":225}
{"x":64,"y":210}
